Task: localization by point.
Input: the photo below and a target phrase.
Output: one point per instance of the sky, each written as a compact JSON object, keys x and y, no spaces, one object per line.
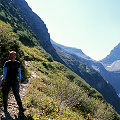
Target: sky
{"x":90,"y":25}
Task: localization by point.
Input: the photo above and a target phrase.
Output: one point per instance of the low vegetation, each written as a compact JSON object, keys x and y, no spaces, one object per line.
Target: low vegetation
{"x":56,"y":92}
{"x":52,"y":95}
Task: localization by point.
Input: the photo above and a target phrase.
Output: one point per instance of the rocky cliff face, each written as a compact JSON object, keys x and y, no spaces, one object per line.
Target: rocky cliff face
{"x":112,"y":57}
{"x":112,"y":64}
{"x":37,"y":26}
{"x":35,"y":22}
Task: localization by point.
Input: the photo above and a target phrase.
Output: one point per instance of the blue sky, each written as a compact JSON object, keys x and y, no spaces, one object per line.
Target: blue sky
{"x":90,"y":25}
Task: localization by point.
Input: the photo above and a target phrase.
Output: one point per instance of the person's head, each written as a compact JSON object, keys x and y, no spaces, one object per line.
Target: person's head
{"x":12,"y":55}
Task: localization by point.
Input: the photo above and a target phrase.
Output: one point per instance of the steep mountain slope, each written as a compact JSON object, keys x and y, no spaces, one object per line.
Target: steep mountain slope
{"x":71,"y":50}
{"x":80,"y":65}
{"x":67,"y":97}
{"x":37,"y":26}
{"x":111,"y":62}
{"x":24,"y":41}
{"x":113,"y":75}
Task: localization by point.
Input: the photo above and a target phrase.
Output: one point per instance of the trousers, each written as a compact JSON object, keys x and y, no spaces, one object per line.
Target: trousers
{"x":15,"y":88}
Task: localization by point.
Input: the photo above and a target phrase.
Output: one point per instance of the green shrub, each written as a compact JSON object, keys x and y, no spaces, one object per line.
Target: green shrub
{"x":25,"y":38}
{"x":9,"y":42}
{"x":69,"y":75}
{"x":55,"y":88}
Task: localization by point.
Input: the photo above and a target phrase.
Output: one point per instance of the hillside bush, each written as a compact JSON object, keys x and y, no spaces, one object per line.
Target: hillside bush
{"x":53,"y":94}
{"x":25,"y":38}
{"x":9,"y":42}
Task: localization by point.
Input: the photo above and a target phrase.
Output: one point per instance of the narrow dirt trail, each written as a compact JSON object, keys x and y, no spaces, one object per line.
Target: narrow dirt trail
{"x":12,"y":104}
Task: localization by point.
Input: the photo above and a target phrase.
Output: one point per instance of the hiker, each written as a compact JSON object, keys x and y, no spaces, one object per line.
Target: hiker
{"x":11,"y":73}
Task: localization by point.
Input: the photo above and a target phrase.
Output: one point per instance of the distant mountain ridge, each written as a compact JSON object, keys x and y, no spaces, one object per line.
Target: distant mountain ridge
{"x":115,"y":66}
{"x":71,"y":50}
{"x":111,"y":76}
{"x":111,"y":62}
{"x":83,"y":66}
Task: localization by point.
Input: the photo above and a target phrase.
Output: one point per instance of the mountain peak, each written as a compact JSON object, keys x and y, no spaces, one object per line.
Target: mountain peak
{"x":112,"y":57}
{"x":71,"y":50}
